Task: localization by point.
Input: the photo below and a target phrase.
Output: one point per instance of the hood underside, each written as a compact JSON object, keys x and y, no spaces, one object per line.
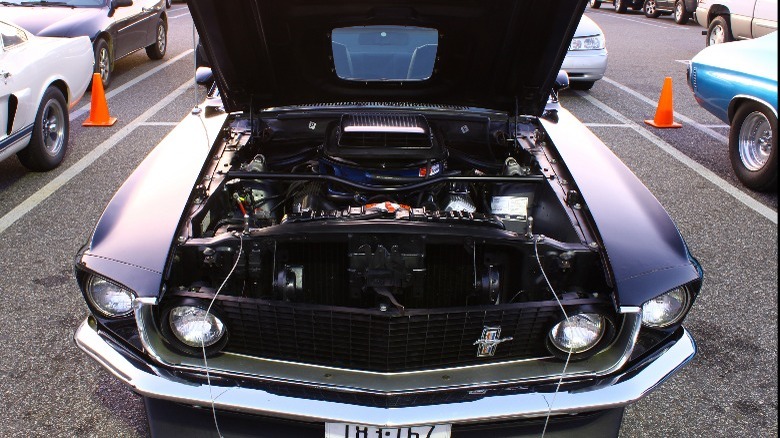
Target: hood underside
{"x":501,"y":55}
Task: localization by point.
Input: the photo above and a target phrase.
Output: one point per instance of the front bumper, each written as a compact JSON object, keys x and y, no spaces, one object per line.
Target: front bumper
{"x":585,"y":65}
{"x":600,"y":394}
{"x":700,"y":16}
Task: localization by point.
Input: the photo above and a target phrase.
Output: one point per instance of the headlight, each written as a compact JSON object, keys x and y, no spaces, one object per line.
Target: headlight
{"x":579,"y":333}
{"x":587,"y":43}
{"x":108,"y":298}
{"x":665,"y":309}
{"x":195,"y":327}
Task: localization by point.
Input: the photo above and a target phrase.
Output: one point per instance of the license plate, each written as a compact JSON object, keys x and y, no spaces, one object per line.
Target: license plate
{"x":343,"y":430}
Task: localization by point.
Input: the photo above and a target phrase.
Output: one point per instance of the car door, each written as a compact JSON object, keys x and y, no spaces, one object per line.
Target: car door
{"x":15,"y":120}
{"x":764,"y":18}
{"x":132,"y":24}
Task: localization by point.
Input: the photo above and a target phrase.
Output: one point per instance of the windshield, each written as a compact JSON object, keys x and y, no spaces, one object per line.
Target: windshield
{"x":67,"y":3}
{"x":384,"y":53}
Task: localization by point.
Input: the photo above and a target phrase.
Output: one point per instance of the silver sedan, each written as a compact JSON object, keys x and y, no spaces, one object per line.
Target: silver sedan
{"x":586,"y":60}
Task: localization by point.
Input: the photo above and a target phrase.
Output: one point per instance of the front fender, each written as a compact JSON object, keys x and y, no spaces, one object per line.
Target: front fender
{"x":133,"y":237}
{"x":646,"y":253}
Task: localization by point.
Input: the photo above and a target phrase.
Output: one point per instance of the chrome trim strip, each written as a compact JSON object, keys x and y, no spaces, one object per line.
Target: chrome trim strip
{"x":610,"y":392}
{"x":146,"y":301}
{"x":479,"y":376}
{"x":630,"y":309}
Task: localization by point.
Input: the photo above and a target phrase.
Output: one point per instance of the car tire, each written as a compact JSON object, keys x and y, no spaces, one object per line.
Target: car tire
{"x":594,"y":4}
{"x":157,"y":49}
{"x":103,"y":61}
{"x":168,"y":4}
{"x":719,"y":31}
{"x":621,"y":6}
{"x":753,"y":146}
{"x":650,"y":9}
{"x":637,"y":5}
{"x":681,"y":15}
{"x":581,"y":85}
{"x":49,"y":140}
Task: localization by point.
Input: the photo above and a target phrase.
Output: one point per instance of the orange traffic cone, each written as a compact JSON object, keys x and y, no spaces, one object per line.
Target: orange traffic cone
{"x":98,"y":111}
{"x":664,"y":114}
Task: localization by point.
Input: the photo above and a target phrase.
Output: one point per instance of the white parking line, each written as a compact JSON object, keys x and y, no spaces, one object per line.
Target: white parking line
{"x":84,"y":108}
{"x":705,"y":173}
{"x":716,"y":135}
{"x":607,"y":14}
{"x":52,"y":186}
{"x":606,"y":125}
{"x":159,"y":124}
{"x":179,"y":16}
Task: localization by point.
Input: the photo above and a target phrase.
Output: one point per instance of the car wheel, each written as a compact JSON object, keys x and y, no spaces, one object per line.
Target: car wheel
{"x":651,"y":9}
{"x":595,"y":4}
{"x":620,"y":6}
{"x":581,"y":85}
{"x":753,"y":146}
{"x":157,"y":50}
{"x":719,"y":31}
{"x":50,"y":133}
{"x":168,"y":4}
{"x":103,"y":61}
{"x":680,"y":14}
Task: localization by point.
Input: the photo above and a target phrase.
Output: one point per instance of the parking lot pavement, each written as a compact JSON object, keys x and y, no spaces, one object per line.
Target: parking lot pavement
{"x":49,"y":388}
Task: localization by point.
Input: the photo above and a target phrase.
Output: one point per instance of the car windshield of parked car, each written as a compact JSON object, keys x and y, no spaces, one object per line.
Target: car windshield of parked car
{"x":384,"y":53}
{"x":67,"y":3}
{"x":11,"y":36}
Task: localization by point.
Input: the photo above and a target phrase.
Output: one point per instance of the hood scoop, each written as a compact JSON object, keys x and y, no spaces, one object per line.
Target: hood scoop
{"x":358,"y":131}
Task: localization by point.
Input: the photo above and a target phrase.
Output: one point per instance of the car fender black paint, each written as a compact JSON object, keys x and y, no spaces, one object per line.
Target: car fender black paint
{"x":646,"y":253}
{"x":134,"y":235}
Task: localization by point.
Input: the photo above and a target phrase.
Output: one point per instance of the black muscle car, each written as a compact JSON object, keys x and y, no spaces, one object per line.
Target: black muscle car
{"x":384,"y":224}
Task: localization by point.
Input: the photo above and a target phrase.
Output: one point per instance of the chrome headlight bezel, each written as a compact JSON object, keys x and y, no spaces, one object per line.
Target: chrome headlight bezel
{"x":96,"y":285}
{"x":173,"y":336}
{"x":605,"y":335}
{"x":681,"y":295}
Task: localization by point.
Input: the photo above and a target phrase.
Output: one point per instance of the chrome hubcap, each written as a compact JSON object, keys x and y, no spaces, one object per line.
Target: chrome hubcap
{"x":717,"y":35}
{"x":678,"y":11}
{"x":103,"y":64}
{"x":53,"y":127}
{"x":617,"y":4}
{"x":650,"y":7}
{"x":755,"y":141}
{"x":161,"y":38}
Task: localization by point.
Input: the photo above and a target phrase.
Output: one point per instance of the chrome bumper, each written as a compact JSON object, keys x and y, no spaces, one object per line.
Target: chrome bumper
{"x":605,"y":393}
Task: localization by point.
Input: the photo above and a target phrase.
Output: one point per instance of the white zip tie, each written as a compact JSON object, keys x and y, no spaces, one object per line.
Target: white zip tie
{"x":568,"y":357}
{"x":203,"y":346}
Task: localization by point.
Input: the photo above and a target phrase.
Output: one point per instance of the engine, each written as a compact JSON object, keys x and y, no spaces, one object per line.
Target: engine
{"x":387,"y":212}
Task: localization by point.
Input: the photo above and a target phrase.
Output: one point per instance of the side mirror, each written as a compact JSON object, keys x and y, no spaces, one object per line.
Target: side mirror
{"x":121,"y":3}
{"x":561,"y":81}
{"x":204,"y":76}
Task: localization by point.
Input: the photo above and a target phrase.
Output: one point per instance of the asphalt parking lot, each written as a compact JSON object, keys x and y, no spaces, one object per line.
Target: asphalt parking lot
{"x":49,"y":388}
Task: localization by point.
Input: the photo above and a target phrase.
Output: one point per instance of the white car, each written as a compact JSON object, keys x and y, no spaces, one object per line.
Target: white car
{"x":40,"y":80}
{"x":586,"y":60}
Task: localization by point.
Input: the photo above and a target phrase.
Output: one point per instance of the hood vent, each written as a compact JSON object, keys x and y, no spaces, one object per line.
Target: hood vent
{"x":377,"y":104}
{"x":384,"y":131}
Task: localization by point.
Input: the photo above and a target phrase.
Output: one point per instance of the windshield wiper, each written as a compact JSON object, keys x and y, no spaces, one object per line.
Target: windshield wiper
{"x":46,"y":3}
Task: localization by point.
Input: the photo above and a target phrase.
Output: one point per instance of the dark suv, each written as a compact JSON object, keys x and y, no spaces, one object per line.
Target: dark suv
{"x":681,"y":9}
{"x":621,"y":6}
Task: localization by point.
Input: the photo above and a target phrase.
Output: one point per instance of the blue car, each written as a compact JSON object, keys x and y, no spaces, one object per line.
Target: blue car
{"x":737,"y":82}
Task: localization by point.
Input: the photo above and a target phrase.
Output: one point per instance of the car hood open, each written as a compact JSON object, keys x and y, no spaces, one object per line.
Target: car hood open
{"x":499,"y":54}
